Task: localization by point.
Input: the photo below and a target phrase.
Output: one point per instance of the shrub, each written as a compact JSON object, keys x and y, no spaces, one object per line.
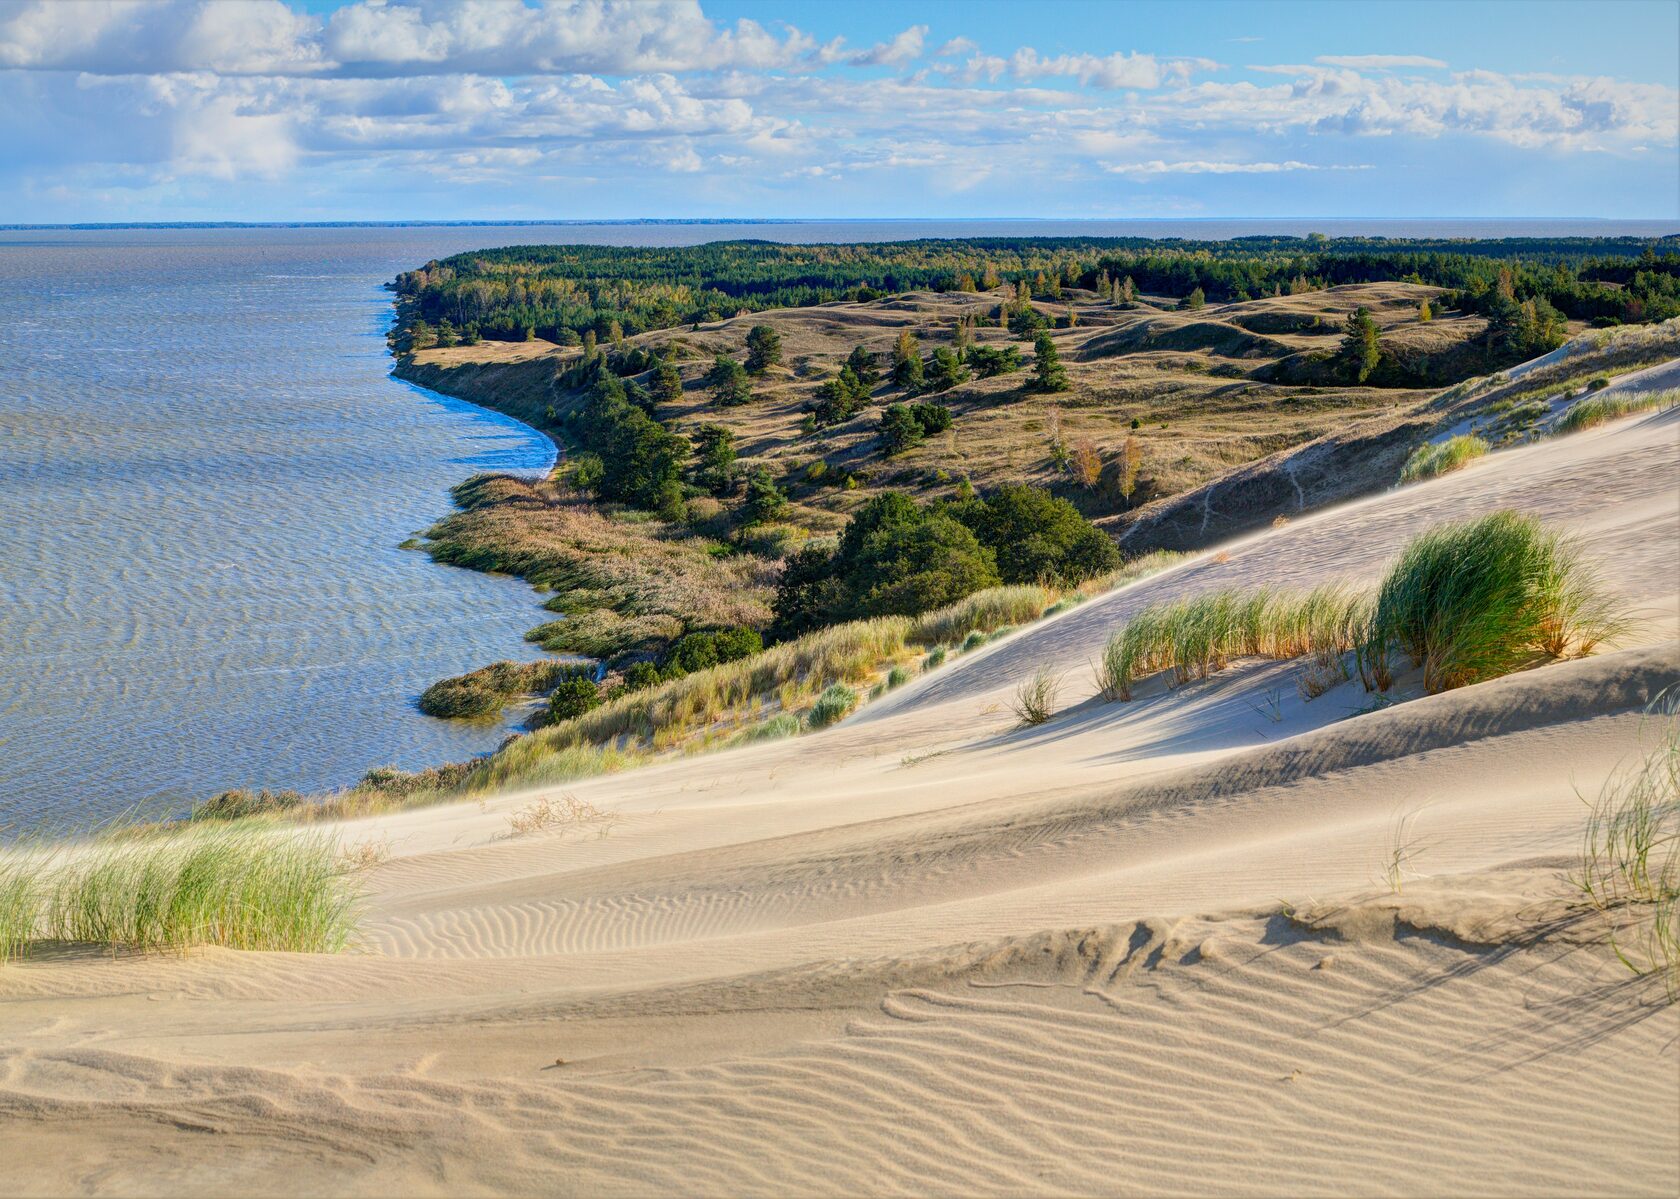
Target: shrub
{"x":931,"y":418}
{"x":1430,"y":460}
{"x":897,"y":677}
{"x":832,"y":706}
{"x":573,"y":697}
{"x":1038,"y":537}
{"x":639,"y":676}
{"x":698,"y":651}
{"x":973,"y":641}
{"x":764,"y":348}
{"x":1598,"y":384}
{"x":765,"y":500}
{"x":990,"y":361}
{"x":899,"y":430}
{"x":934,"y":659}
{"x":1035,"y":699}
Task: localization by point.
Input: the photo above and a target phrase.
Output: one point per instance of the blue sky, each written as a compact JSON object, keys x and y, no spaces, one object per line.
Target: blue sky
{"x":607,"y":109}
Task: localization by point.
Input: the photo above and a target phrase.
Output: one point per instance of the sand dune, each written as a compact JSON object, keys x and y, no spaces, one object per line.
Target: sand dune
{"x":1145,"y":948}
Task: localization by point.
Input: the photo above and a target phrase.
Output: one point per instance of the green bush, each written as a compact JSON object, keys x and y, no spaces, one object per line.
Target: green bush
{"x":698,"y":651}
{"x":973,"y":641}
{"x":573,"y":697}
{"x":835,"y":703}
{"x":1038,"y":537}
{"x":897,"y":677}
{"x":935,"y":658}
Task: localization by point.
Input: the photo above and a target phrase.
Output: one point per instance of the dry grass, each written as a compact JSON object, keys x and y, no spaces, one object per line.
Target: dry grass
{"x":1035,"y":699}
{"x":560,"y":813}
{"x":984,"y":610}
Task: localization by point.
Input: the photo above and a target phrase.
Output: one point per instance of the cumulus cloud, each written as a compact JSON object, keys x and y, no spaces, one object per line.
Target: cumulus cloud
{"x":497,"y":90}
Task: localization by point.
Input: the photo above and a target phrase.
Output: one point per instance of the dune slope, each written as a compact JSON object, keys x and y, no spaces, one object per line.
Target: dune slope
{"x":1149,"y":948}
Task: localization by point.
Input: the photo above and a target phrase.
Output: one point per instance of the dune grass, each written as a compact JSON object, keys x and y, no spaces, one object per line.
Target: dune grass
{"x":1595,"y":410}
{"x":1035,"y":699}
{"x":1481,"y":598}
{"x":1630,"y":863}
{"x":242,"y":886}
{"x":984,"y":611}
{"x":1431,"y":460}
{"x":1196,"y":637}
{"x":835,"y":704}
{"x":1465,"y":602}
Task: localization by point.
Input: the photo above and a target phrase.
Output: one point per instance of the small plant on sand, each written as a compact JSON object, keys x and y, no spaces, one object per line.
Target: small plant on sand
{"x":832,"y":706}
{"x":1404,"y":847}
{"x":783,"y":724}
{"x":553,"y":813}
{"x":1630,"y":862}
{"x":1429,"y":461}
{"x":1035,"y":699}
{"x":897,"y":677}
{"x":973,"y":641}
{"x":935,"y":658}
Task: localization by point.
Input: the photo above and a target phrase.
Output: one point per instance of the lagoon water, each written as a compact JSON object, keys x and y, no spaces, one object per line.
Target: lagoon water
{"x":205,"y":472}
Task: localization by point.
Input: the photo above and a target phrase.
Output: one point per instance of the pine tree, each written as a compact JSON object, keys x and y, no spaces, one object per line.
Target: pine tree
{"x":1361,"y":348}
{"x":1052,"y":375}
{"x":907,"y":361}
{"x":728,"y":381}
{"x":667,"y":382}
{"x":764,"y":349}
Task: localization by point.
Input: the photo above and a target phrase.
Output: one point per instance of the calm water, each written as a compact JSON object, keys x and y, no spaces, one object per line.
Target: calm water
{"x":204,"y":475}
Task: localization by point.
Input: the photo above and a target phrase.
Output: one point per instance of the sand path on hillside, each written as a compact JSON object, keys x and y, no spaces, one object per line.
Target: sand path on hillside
{"x":927,"y":953}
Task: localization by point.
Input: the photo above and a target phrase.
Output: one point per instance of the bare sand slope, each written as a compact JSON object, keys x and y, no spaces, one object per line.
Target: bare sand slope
{"x":1145,"y":948}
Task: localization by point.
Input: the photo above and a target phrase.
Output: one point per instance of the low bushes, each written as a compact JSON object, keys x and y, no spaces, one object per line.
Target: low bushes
{"x":489,"y":689}
{"x":1429,"y":461}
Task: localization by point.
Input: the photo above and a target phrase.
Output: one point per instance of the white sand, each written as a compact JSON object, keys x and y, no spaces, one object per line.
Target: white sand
{"x":923,"y":953}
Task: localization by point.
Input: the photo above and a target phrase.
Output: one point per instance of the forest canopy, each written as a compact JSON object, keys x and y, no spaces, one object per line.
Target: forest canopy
{"x":567,"y":293}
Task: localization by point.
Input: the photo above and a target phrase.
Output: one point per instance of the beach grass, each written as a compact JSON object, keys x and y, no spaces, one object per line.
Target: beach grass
{"x":1595,"y":410}
{"x":1630,"y":862}
{"x":1035,"y":699}
{"x":243,"y":885}
{"x":1431,"y":460}
{"x":1465,"y":602}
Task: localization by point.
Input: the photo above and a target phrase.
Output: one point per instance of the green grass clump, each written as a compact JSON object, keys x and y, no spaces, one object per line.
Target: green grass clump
{"x":832,"y":706}
{"x":1466,"y":602}
{"x":783,"y":724}
{"x":238,"y":886}
{"x":973,"y":641}
{"x":1477,"y":599}
{"x":897,"y":677}
{"x":1598,"y":409}
{"x":1429,"y":461}
{"x":935,"y":658}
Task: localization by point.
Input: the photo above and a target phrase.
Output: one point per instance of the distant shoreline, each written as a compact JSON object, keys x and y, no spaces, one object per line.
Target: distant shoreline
{"x":1673,"y":226}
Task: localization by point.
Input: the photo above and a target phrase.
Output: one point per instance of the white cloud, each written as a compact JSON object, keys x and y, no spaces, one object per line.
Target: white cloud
{"x":1379,"y":62}
{"x":956,"y":46}
{"x":1198,"y":167}
{"x":904,"y":47}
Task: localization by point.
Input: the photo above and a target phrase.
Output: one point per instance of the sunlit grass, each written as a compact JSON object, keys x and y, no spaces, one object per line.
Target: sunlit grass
{"x":1430,"y":460}
{"x":241,"y":885}
{"x":1596,"y":410}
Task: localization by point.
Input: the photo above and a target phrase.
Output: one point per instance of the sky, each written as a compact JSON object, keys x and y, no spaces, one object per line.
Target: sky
{"x":184,"y":110}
